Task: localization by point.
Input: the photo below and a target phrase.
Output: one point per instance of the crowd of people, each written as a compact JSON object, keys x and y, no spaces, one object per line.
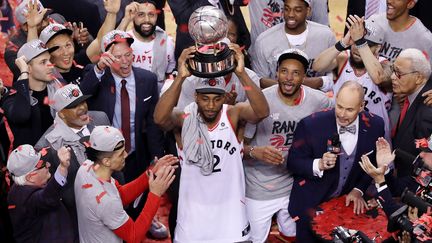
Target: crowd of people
{"x":101,"y":122}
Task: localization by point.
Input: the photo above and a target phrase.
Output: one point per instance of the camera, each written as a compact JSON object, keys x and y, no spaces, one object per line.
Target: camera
{"x":344,"y":235}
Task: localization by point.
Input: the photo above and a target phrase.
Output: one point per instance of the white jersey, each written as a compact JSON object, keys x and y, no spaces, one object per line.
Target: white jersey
{"x":377,"y":101}
{"x":212,"y":208}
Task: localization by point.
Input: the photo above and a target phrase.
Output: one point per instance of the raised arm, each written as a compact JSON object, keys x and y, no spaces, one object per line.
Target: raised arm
{"x":34,"y":18}
{"x":130,"y":11}
{"x":370,"y":60}
{"x":164,"y":115}
{"x":94,"y":49}
{"x":330,"y":58}
{"x":257,"y":108}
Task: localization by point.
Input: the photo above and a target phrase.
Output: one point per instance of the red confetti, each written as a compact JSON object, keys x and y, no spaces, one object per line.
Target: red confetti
{"x":162,"y":42}
{"x":77,"y":65}
{"x":47,"y":101}
{"x":381,"y":198}
{"x":185,"y":115}
{"x":421,"y":143}
{"x":339,"y":18}
{"x":200,"y":141}
{"x":184,"y":28}
{"x":86,"y":186}
{"x":4,"y":19}
{"x":87,"y":144}
{"x":157,"y":11}
{"x":246,"y":2}
{"x":12,"y":91}
{"x":19,"y":148}
{"x":99,"y":197}
{"x":112,"y":89}
{"x":296,"y":218}
{"x":335,"y":213}
{"x":11,"y":206}
{"x":301,"y":183}
{"x":44,"y":151}
{"x":366,"y":120}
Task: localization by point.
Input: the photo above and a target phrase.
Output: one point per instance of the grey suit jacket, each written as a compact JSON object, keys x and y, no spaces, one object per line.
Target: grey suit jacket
{"x":97,"y":118}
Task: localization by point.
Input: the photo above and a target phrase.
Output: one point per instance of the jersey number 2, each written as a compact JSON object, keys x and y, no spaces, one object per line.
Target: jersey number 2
{"x":216,"y":161}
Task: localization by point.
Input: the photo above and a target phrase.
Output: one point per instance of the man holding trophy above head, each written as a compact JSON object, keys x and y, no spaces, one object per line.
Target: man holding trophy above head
{"x":212,"y":186}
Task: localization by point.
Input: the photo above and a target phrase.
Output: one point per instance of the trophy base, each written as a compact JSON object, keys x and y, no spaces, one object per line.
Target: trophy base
{"x":210,"y":65}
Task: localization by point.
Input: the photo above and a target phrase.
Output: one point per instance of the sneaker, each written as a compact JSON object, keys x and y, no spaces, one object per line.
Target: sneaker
{"x":157,"y":230}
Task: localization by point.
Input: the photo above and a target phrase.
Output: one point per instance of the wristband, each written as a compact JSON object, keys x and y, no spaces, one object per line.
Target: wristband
{"x":340,"y":46}
{"x":250,"y":152}
{"x":361,"y":42}
{"x":24,"y":72}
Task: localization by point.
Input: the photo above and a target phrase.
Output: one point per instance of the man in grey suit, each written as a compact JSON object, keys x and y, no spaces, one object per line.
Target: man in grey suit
{"x":72,"y":126}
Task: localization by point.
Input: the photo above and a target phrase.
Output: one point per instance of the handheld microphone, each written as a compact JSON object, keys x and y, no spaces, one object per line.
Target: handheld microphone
{"x":334,"y":144}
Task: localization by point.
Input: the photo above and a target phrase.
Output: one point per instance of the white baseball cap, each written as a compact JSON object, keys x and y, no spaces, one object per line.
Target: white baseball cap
{"x":211,"y":85}
{"x":23,"y":160}
{"x":52,"y":30}
{"x":22,"y":10}
{"x":67,"y":97}
{"x":33,"y":49}
{"x":105,"y":138}
{"x":115,"y":36}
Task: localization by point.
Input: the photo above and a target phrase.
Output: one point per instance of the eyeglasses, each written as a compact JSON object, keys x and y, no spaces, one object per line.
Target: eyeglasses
{"x":398,"y":74}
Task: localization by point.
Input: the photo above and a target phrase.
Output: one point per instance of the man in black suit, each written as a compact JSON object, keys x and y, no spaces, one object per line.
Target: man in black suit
{"x":182,"y":10}
{"x":128,"y":96}
{"x":411,"y":77}
{"x":322,"y":172}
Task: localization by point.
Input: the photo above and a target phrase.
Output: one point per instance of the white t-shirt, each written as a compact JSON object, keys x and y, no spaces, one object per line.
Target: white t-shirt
{"x":99,"y":207}
{"x":143,"y":53}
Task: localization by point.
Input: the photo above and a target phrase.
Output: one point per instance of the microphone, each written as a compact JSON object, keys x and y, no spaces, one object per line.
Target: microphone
{"x":334,"y":144}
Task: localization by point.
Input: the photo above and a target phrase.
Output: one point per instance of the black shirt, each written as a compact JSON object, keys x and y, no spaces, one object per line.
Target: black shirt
{"x":45,"y":112}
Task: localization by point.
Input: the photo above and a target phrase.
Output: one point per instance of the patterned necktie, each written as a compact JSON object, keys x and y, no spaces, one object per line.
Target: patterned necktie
{"x":125,"y":115}
{"x":350,"y":129}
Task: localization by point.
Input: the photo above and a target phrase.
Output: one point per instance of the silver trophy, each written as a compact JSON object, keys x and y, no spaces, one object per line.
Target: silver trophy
{"x":208,"y":26}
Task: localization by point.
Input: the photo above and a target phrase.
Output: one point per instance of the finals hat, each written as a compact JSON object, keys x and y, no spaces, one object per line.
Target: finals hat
{"x":52,"y":30}
{"x":33,"y":49}
{"x":67,"y":97}
{"x":23,"y":160}
{"x":211,"y":86}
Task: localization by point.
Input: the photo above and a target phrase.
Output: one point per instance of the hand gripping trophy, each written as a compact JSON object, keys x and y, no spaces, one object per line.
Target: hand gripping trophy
{"x":208,"y":26}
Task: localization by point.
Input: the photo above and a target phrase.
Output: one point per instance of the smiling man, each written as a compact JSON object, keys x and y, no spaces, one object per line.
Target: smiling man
{"x":296,"y":32}
{"x":153,"y":49}
{"x":320,"y":175}
{"x":268,"y":182}
{"x":73,"y":124}
{"x":128,"y":96}
{"x":35,"y":206}
{"x":401,"y":30}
